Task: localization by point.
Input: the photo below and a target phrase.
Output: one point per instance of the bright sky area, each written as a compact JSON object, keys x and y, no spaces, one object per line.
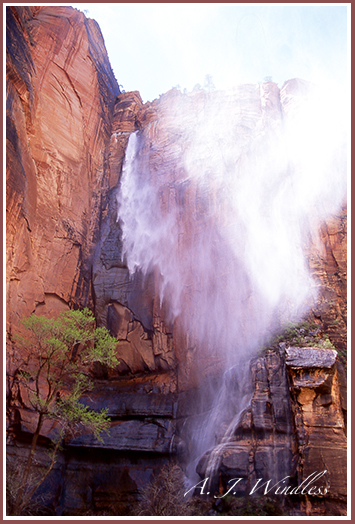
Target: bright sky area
{"x":154,"y":47}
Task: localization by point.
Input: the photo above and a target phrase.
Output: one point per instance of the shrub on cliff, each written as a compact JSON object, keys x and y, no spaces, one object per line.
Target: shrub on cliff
{"x":164,"y":496}
{"x":303,"y":334}
{"x":53,"y":370}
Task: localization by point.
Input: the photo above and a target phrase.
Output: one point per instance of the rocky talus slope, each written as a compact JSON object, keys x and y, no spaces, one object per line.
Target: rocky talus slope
{"x":68,"y":127}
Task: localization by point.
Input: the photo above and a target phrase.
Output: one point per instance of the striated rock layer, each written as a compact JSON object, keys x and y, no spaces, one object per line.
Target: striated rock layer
{"x":68,"y":127}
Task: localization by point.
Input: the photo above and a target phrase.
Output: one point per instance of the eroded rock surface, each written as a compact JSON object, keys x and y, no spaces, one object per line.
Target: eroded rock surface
{"x":263,"y":444}
{"x":293,"y":437}
{"x":67,"y":131}
{"x":304,"y":358}
{"x":60,"y":98}
{"x":319,"y":417}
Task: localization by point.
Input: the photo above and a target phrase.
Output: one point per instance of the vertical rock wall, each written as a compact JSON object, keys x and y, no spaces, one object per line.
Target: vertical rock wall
{"x":67,"y":131}
{"x":60,"y":97}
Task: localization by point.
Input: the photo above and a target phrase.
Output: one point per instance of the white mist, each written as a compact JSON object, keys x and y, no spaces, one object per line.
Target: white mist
{"x":219,"y":197}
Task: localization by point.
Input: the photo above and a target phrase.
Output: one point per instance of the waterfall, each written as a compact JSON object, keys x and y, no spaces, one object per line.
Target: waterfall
{"x":217,"y":431}
{"x":218,"y":197}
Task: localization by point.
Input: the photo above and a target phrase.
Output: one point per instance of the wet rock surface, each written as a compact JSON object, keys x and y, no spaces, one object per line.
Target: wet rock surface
{"x":152,"y":435}
{"x":263,"y":444}
{"x":293,"y":429}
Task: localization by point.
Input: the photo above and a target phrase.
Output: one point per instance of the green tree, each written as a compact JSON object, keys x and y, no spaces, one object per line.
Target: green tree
{"x":54,"y":367}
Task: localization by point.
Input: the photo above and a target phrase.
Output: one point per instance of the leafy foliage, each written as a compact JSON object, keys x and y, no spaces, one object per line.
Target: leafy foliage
{"x":54,"y":368}
{"x":208,"y":83}
{"x":302,"y":334}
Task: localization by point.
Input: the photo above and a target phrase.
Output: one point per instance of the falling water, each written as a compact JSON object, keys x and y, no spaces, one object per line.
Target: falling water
{"x":219,"y":197}
{"x":235,"y":395}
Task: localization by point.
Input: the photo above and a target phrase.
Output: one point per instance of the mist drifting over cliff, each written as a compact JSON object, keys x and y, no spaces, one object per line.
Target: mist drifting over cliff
{"x":220,"y":194}
{"x":223,"y":216}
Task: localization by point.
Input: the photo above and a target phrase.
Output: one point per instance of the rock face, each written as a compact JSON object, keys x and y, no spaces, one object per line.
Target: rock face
{"x":262,"y":444}
{"x":288,"y":439}
{"x":328,"y":262}
{"x":253,"y":115}
{"x":60,"y":97}
{"x":68,"y":128}
{"x":327,"y":254}
{"x":317,"y":380}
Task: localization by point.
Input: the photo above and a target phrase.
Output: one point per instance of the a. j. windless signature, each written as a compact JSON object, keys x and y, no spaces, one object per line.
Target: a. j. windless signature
{"x":281,"y":487}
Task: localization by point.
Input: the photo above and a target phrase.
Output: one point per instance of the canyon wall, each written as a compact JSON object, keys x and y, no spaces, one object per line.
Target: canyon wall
{"x":60,"y":96}
{"x":68,"y":128}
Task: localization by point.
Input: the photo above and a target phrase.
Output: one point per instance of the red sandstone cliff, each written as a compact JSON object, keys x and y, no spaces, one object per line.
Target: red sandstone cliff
{"x":66,"y":140}
{"x":289,"y":429}
{"x":60,"y":96}
{"x":67,"y":132}
{"x":247,"y":110}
